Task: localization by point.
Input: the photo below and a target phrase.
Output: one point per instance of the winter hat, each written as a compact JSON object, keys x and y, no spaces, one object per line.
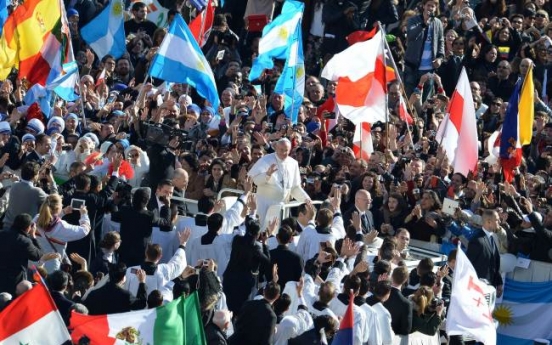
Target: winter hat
{"x":94,"y":138}
{"x":36,"y":125}
{"x":124,"y":143}
{"x":28,"y":137}
{"x":72,"y":12}
{"x":56,"y":120}
{"x":5,"y":127}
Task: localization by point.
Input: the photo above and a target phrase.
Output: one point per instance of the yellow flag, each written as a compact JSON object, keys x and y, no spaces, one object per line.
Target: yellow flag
{"x":526,"y":108}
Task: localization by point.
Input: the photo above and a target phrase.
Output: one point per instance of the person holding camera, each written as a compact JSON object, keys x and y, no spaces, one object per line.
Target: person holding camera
{"x":427,"y":311}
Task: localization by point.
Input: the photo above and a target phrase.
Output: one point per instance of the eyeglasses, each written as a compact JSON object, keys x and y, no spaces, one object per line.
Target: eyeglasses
{"x":134,"y":155}
{"x":540,"y":15}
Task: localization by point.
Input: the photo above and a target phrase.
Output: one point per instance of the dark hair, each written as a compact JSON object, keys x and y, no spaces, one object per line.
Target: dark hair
{"x":428,"y":279}
{"x":272,"y":290}
{"x":39,"y":139}
{"x":205,"y":204}
{"x":155,"y":299}
{"x":252,"y":226}
{"x":82,"y":181}
{"x":326,"y":322}
{"x":285,"y":234}
{"x":452,"y":255}
{"x":425,"y":265}
{"x":192,"y":161}
{"x":140,"y":198}
{"x":110,"y":239}
{"x":154,"y":252}
{"x":22,"y":222}
{"x":400,"y":275}
{"x":117,"y":272}
{"x":165,"y":182}
{"x":351,"y":283}
{"x":29,"y":171}
{"x":381,"y":289}
{"x":137,"y":6}
{"x":281,"y":305}
{"x":324,"y":217}
{"x":214,"y":222}
{"x":58,"y":280}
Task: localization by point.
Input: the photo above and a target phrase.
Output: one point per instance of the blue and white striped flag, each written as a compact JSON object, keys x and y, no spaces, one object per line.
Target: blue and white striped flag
{"x":180,"y":60}
{"x":199,"y":4}
{"x":106,"y":33}
{"x":274,"y":43}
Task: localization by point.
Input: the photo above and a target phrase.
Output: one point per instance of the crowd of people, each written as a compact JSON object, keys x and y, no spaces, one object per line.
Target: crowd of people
{"x":94,"y":195}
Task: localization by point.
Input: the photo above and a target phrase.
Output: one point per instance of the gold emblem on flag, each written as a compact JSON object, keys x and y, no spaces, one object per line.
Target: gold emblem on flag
{"x":504,"y":315}
{"x":117,"y":8}
{"x":130,"y":335}
{"x":283,"y":33}
{"x":300,"y":72}
{"x":40,"y":19}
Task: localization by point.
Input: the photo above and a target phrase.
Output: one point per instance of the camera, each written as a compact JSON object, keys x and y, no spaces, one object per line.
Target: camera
{"x":435,"y":302}
{"x":162,"y":134}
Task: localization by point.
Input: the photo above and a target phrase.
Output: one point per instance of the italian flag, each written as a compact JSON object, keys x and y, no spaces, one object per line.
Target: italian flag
{"x":32,"y":319}
{"x":176,"y":323}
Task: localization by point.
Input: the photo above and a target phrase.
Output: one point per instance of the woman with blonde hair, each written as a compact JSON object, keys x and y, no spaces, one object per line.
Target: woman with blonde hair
{"x":53,"y":233}
{"x":427,"y":311}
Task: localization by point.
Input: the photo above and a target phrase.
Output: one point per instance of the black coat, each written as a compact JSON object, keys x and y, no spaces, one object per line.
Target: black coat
{"x":111,"y":299}
{"x":63,"y":304}
{"x":290,"y":265}
{"x":96,"y":204}
{"x":400,"y":309}
{"x":136,"y":229}
{"x":16,"y":249}
{"x":255,"y":324}
{"x":485,"y":258}
{"x":214,"y":335}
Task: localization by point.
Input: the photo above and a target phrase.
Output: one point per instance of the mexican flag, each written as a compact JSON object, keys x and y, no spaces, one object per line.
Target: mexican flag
{"x":33,"y":319}
{"x":176,"y":323}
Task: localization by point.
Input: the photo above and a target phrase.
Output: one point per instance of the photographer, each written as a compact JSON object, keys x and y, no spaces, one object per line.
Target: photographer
{"x":427,"y":311}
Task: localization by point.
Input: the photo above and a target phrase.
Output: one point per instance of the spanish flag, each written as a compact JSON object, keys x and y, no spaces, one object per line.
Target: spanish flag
{"x":27,"y":40}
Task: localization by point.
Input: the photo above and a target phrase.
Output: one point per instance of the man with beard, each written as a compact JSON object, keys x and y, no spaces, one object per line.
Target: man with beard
{"x":123,"y":71}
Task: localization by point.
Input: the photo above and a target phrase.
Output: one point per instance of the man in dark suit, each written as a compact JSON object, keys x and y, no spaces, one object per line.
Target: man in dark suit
{"x":256,"y":321}
{"x":112,"y":298}
{"x":399,"y":306}
{"x":483,"y":251}
{"x":451,"y":68}
{"x":180,"y":182}
{"x":57,"y":283}
{"x":162,"y":197}
{"x":363,"y":202}
{"x":290,"y":264}
{"x":43,"y":146}
{"x":18,"y":245}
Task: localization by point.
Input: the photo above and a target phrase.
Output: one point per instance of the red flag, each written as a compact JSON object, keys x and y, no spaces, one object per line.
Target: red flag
{"x":101,"y":78}
{"x":362,"y":141}
{"x":361,"y":36}
{"x":201,"y":25}
{"x":458,"y":131}
{"x":403,"y":111}
{"x":329,"y":106}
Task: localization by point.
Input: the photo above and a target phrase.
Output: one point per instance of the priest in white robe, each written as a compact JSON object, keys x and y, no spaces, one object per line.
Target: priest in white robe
{"x":278,"y":180}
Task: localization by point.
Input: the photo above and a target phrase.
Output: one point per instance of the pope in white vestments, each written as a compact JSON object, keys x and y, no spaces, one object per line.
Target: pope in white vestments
{"x":278,"y":179}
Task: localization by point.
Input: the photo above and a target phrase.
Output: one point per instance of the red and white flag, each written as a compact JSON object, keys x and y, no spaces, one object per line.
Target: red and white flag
{"x":202,"y":24}
{"x":404,"y":115}
{"x":328,"y":105}
{"x":101,"y":78}
{"x":362,"y":141}
{"x":361,"y":81}
{"x":33,"y":318}
{"x":458,"y":131}
{"x":469,"y":312}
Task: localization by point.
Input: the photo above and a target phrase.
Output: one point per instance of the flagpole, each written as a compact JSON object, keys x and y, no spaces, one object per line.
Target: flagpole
{"x":385,"y":84}
{"x":298,"y":28}
{"x":401,"y":85}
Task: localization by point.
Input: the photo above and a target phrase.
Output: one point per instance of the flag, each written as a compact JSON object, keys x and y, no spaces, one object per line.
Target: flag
{"x":363,"y":145}
{"x":360,"y":36}
{"x":202,"y":24}
{"x":101,"y":78}
{"x":27,"y":38}
{"x":64,"y":74}
{"x":291,"y":82}
{"x":510,"y":146}
{"x":41,"y":96}
{"x":199,"y":4}
{"x":105,"y":33}
{"x":521,"y":314}
{"x":493,"y":147}
{"x":469,"y":312}
{"x":176,"y":323}
{"x":344,"y":335}
{"x":361,"y":81}
{"x":3,"y":14}
{"x":404,"y":115}
{"x":274,"y":42}
{"x":329,"y":106}
{"x":33,"y":318}
{"x":527,"y":108}
{"x":180,"y":60}
{"x":458,"y":131}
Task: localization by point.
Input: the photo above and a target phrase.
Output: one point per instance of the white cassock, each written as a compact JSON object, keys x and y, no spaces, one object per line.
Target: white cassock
{"x":282,"y":186}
